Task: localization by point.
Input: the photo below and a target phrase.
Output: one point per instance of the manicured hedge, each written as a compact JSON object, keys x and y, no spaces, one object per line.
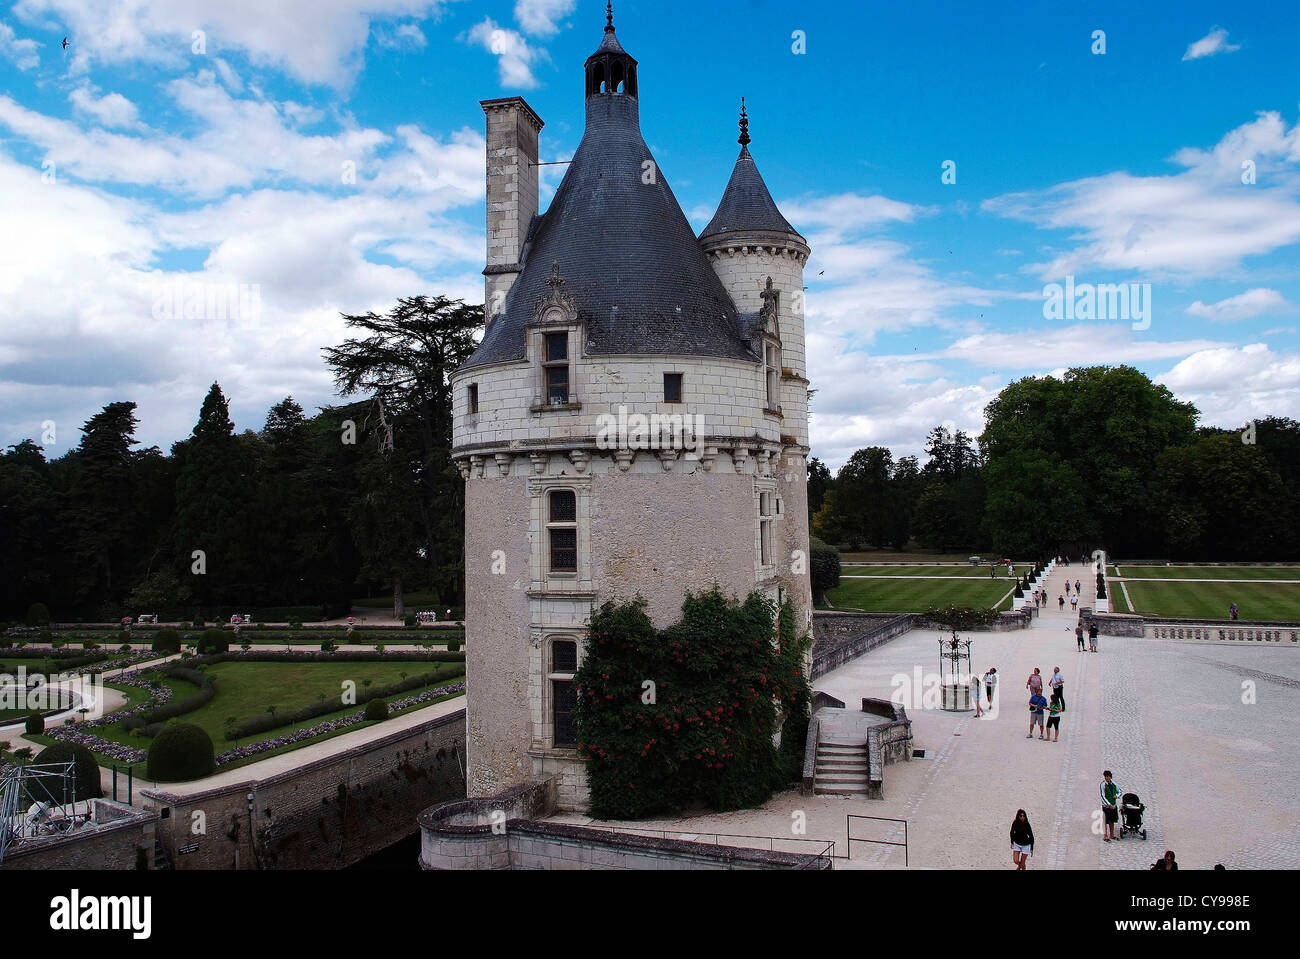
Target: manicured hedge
{"x":35,"y":724}
{"x":182,"y":751}
{"x":824,"y":567}
{"x":213,"y":641}
{"x":376,"y":710}
{"x":167,"y":641}
{"x":177,"y":707}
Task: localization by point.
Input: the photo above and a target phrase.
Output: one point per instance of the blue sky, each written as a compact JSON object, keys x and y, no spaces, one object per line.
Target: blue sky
{"x":145,"y":154}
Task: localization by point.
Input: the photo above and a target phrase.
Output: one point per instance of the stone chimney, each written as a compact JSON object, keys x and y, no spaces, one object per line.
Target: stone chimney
{"x":512,"y":134}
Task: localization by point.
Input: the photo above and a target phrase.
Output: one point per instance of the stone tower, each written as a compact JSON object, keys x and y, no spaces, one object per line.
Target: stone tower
{"x":634,"y":420}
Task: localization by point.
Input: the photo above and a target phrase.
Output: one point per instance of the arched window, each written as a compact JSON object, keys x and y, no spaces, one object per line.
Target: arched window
{"x":616,"y":79}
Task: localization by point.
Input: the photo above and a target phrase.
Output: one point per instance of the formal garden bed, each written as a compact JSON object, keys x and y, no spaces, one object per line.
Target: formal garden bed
{"x":253,"y":704}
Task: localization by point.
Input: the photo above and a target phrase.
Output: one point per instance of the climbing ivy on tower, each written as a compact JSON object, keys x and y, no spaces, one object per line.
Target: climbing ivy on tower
{"x":689,"y":714}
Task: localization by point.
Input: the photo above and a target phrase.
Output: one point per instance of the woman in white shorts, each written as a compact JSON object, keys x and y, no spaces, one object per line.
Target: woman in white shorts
{"x":1022,"y":840}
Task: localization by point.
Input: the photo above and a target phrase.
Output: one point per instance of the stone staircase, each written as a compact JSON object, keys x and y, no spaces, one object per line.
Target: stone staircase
{"x":841,"y":770}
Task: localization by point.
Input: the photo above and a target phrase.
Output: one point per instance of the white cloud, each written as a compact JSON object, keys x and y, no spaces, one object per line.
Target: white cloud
{"x":1216,"y":41}
{"x":1201,"y":221}
{"x":515,"y":58}
{"x":317,"y":41}
{"x":843,"y":212}
{"x":540,"y":18}
{"x":1231,"y":385}
{"x":21,"y":51}
{"x":1083,"y":344}
{"x":1241,"y":307}
{"x":405,"y":36}
{"x":111,"y":110}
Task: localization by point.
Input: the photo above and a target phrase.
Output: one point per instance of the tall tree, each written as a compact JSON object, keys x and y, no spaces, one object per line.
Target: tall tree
{"x":404,"y":360}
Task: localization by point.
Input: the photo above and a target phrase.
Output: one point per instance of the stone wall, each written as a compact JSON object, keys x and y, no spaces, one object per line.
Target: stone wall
{"x":327,"y":814}
{"x":887,"y":743}
{"x":121,"y":835}
{"x":840,"y":637}
{"x":1222,"y":630}
{"x":502,"y":832}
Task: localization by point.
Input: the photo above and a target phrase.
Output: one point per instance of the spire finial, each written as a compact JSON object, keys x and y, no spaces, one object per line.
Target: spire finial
{"x":743,"y":140}
{"x":609,"y":16}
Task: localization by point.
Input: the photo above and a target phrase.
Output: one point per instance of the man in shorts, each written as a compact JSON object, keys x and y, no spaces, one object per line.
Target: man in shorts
{"x":1036,"y":706}
{"x":1092,"y":636}
{"x":990,"y":682}
{"x":1109,"y":805}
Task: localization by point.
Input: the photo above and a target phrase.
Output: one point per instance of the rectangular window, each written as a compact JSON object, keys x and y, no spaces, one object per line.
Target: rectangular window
{"x":564,"y":656}
{"x":672,"y":387}
{"x":473,"y":397}
{"x":563,"y":700}
{"x":773,"y":377}
{"x":562,"y":531}
{"x":557,"y":347}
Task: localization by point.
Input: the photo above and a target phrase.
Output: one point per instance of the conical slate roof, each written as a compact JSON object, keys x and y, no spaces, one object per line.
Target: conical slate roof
{"x":747,"y":207}
{"x":626,"y":252}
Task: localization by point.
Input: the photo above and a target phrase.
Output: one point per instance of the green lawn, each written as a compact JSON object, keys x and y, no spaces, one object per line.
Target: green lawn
{"x":1210,"y":572}
{"x":1264,"y":601}
{"x":965,"y":571}
{"x":916,"y":595}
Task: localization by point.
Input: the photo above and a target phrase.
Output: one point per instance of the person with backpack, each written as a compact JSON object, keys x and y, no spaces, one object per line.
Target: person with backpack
{"x":1022,"y":840}
{"x":1109,"y":805}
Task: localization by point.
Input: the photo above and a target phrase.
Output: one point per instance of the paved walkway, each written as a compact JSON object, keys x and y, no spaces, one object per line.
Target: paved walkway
{"x":1216,"y":772}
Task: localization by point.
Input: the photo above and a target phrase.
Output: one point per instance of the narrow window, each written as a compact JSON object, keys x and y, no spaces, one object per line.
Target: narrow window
{"x":564,"y":663}
{"x":672,"y":387}
{"x":473,"y":397}
{"x":773,"y":376}
{"x":562,"y":530}
{"x":765,"y":528}
{"x":556,"y":366}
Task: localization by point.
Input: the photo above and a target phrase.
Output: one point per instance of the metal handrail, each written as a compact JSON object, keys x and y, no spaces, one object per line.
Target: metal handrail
{"x":848,"y":831}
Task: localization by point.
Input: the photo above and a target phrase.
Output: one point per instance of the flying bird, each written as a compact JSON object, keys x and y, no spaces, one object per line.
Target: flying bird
{"x":65,"y":43}
{"x":822,"y":273}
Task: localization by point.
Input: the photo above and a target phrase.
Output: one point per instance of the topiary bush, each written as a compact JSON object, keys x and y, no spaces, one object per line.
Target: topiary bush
{"x":181,"y":752}
{"x":410,"y":619}
{"x":377,"y":709}
{"x":35,"y":724}
{"x":38,"y":615}
{"x":167,"y":641}
{"x":87,"y":770}
{"x":213,"y":641}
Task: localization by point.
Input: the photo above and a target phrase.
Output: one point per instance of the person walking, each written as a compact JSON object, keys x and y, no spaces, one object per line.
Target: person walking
{"x":1232,"y":611}
{"x":1022,"y":840}
{"x":1077,"y":587}
{"x":975,"y":693}
{"x":1037,"y":704}
{"x":990,"y":682}
{"x":1078,"y":634}
{"x":1054,"y":710}
{"x":1092,"y":636}
{"x":1060,"y":602}
{"x":1035,"y":682}
{"x":1057,"y":683}
{"x":1109,"y":808}
{"x":1074,"y":601}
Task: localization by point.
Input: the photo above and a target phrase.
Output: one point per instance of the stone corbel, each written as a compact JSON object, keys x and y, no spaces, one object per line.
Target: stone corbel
{"x":476,"y":464}
{"x":668,"y":457}
{"x":580,"y":460}
{"x":463,"y":466}
{"x":539,"y":462}
{"x":624,"y":457}
{"x":764,"y":458}
{"x":535,"y":636}
{"x":739,"y":454}
{"x":503,"y":462}
{"x":708,"y":457}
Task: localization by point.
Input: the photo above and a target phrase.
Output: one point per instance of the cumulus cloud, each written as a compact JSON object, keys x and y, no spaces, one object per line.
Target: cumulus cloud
{"x":316,"y":41}
{"x":1216,"y":41}
{"x":515,"y":58}
{"x":19,"y":50}
{"x":1203,"y":220}
{"x":111,"y":110}
{"x":1231,"y":385}
{"x":541,"y":18}
{"x":1241,"y":307}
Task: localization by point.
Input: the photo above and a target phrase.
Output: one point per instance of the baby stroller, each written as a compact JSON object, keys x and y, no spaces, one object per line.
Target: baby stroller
{"x":1131,"y":809}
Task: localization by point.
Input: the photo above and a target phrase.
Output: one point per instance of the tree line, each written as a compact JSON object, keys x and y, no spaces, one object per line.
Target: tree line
{"x":1100,"y":458}
{"x":358,"y":499}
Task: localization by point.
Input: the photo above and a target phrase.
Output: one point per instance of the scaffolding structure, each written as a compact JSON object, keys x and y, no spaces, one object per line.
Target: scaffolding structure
{"x":37,"y":801}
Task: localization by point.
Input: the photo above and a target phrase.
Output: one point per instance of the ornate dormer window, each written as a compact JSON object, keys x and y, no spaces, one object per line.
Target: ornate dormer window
{"x":555,"y":331}
{"x":770,"y":334}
